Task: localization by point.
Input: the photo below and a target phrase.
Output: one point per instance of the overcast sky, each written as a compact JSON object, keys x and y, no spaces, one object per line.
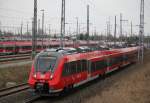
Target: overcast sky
{"x":13,"y":12}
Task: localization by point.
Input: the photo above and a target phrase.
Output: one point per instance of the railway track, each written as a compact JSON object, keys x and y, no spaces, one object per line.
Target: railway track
{"x":32,"y":99}
{"x":14,"y":57}
{"x":18,"y":55}
{"x":15,"y":89}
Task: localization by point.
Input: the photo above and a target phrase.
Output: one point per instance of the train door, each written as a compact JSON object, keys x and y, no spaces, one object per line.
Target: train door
{"x":108,"y":62}
{"x":125,"y":59}
{"x":89,"y":68}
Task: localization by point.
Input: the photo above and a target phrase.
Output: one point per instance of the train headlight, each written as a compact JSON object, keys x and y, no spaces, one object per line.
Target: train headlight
{"x":34,"y":76}
{"x":51,"y":77}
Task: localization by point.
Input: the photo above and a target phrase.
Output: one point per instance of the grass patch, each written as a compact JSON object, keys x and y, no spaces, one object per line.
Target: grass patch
{"x":16,"y":74}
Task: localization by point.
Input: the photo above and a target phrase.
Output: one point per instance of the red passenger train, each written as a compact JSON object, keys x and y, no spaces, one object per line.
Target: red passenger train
{"x":54,"y":70}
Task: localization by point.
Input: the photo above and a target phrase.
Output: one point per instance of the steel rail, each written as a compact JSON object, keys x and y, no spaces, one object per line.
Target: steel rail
{"x":15,"y":58}
{"x":32,"y":99}
{"x":15,"y":89}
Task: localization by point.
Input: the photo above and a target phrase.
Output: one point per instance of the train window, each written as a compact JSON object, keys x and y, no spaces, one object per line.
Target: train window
{"x":79,"y":66}
{"x":134,"y":56}
{"x":72,"y":67}
{"x":129,"y":57}
{"x":84,"y":65}
{"x":101,"y":64}
{"x":46,"y":63}
{"x":26,"y":47}
{"x":93,"y":66}
{"x":98,"y":65}
{"x":64,"y":73}
{"x":116,"y":60}
{"x":69,"y":68}
{"x":125,"y":57}
{"x":65,"y":69}
{"x":38,"y":47}
{"x":75,"y":70}
{"x":9,"y":48}
{"x":17,"y":47}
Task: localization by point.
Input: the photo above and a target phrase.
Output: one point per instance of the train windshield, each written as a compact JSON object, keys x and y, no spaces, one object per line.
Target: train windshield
{"x":46,"y":64}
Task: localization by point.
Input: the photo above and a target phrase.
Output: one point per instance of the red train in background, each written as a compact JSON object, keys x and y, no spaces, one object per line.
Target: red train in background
{"x":15,"y":47}
{"x":55,"y":70}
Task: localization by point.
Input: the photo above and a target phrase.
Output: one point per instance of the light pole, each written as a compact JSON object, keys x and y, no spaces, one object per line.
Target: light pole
{"x":42,"y":28}
{"x":141,"y":33}
{"x":121,"y":27}
{"x":34,"y":33}
{"x":63,"y":9}
{"x":88,"y":25}
{"x":49,"y":31}
{"x":115,"y":31}
{"x":0,"y":29}
{"x":77,"y":32}
{"x":21,"y":30}
{"x":39,"y":27}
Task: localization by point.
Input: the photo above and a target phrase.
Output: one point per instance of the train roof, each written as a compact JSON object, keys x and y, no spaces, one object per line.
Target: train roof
{"x":71,"y":50}
{"x":64,"y":51}
{"x":59,"y":51}
{"x":71,"y":53}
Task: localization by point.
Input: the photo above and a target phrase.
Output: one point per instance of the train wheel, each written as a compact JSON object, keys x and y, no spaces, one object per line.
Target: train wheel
{"x":68,"y":88}
{"x":102,"y":76}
